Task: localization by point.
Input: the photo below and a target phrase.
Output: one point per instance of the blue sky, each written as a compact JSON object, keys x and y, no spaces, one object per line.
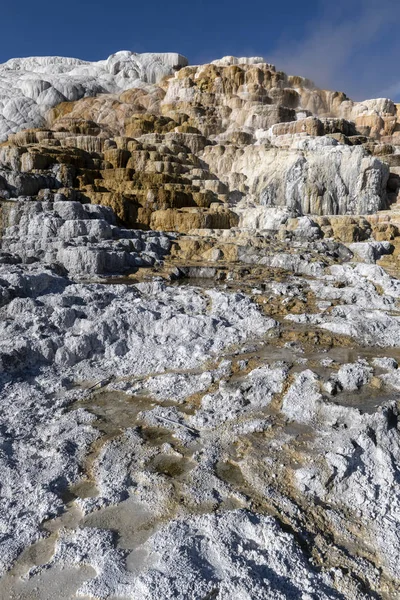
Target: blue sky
{"x":348,"y":45}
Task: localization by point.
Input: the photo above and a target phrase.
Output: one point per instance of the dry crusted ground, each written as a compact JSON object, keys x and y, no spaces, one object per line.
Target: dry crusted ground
{"x":256,"y":469}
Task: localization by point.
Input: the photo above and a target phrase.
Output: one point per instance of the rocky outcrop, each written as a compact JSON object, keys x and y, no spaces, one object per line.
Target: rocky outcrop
{"x":179,"y":181}
{"x":156,"y":181}
{"x":29,"y":87}
{"x":204,"y":145}
{"x":245,"y":398}
{"x":199,"y":340}
{"x":83,"y":239}
{"x":315,"y":178}
{"x":199,"y":347}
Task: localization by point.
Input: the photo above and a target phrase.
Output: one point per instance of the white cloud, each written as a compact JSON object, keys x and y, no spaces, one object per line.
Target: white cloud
{"x":340,"y":48}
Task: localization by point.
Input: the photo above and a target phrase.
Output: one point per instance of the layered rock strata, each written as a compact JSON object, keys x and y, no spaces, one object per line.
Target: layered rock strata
{"x":193,"y":149}
{"x":29,"y":87}
{"x":199,"y":349}
{"x":81,"y":238}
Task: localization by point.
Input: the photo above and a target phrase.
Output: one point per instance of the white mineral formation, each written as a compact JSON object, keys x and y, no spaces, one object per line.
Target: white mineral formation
{"x":312,"y":178}
{"x":84,"y":239}
{"x":199,"y":334}
{"x":29,"y":87}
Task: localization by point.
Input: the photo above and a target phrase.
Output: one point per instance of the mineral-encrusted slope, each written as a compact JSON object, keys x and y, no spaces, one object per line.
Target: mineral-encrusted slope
{"x":29,"y":87}
{"x":179,"y":152}
{"x":199,"y":348}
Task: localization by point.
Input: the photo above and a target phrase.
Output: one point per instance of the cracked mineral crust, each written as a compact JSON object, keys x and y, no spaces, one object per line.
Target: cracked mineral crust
{"x":199,"y":333}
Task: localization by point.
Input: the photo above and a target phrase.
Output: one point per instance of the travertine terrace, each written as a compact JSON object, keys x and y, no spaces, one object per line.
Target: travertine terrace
{"x":200,"y":333}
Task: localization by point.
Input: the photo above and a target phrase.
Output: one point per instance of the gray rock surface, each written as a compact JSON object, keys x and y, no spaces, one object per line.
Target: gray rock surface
{"x":53,"y":329}
{"x":194,"y":558}
{"x":84,"y":239}
{"x":194,"y":412}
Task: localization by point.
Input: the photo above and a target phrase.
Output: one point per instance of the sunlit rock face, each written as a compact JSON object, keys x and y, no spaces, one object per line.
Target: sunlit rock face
{"x":29,"y":87}
{"x":327,"y":180}
{"x":199,"y":334}
{"x":176,"y":147}
{"x":83,"y":239}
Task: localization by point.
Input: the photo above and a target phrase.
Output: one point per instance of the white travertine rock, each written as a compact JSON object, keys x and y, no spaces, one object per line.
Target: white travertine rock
{"x":226,"y":61}
{"x":370,"y":252}
{"x":275,"y":133}
{"x":374,"y":106}
{"x":260,"y":217}
{"x":315,"y":180}
{"x":193,"y":557}
{"x":354,"y":375}
{"x":84,"y":239}
{"x":31,"y":86}
{"x":130,"y":327}
{"x":178,"y":415}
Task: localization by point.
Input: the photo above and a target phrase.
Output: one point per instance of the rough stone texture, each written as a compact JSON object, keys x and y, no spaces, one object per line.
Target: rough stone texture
{"x":200,"y":141}
{"x":194,"y":558}
{"x":156,"y":184}
{"x":323,"y":180}
{"x":223,"y":420}
{"x":81,"y":238}
{"x":29,"y":87}
{"x":157,"y":343}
